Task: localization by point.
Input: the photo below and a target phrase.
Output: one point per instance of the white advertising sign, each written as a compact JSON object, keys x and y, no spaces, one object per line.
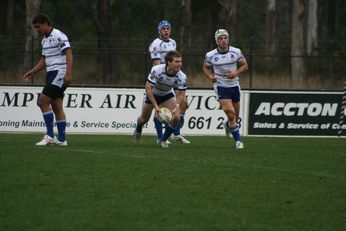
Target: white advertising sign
{"x":104,"y":110}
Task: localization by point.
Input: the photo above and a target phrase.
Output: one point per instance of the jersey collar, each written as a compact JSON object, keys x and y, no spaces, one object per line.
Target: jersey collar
{"x":164,"y":40}
{"x":223,"y":52}
{"x":171,"y":75}
{"x":47,"y":35}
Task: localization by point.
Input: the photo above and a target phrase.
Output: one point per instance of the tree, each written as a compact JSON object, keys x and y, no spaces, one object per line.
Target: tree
{"x":331,"y":17}
{"x":271,"y":36}
{"x":32,"y":8}
{"x":101,"y":18}
{"x":9,"y":16}
{"x":297,"y":50}
{"x":227,"y":16}
{"x":312,"y":24}
{"x":186,"y":22}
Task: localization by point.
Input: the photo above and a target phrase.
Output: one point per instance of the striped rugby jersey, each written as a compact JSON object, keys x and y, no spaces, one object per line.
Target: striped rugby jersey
{"x":223,"y":62}
{"x":159,"y":48}
{"x":164,"y":83}
{"x":53,"y":47}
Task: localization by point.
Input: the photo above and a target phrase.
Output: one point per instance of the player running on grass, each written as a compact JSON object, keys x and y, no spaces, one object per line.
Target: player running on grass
{"x":223,"y":66}
{"x":159,"y":92}
{"x":158,"y":49}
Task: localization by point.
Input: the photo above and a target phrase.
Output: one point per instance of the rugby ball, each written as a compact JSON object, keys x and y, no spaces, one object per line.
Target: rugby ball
{"x":165,"y":115}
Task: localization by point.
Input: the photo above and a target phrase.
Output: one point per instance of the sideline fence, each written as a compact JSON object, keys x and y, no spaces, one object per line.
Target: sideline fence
{"x":127,"y":62}
{"x":342,"y":112}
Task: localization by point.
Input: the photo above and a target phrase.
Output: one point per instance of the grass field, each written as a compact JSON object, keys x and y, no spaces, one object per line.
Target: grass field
{"x":108,"y":183}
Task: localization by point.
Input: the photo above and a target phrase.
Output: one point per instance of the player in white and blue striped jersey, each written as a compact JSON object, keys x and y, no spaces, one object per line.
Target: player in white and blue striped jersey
{"x":57,"y":58}
{"x":159,"y":92}
{"x":223,"y":66}
{"x":161,"y":45}
{"x":158,"y":49}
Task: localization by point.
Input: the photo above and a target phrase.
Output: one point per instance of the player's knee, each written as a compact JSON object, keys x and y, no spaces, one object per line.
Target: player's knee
{"x":230,"y":114}
{"x":142,"y":120}
{"x":39,"y":103}
{"x":42,"y":105}
{"x":175,"y":119}
{"x":229,"y":111}
{"x":184,"y":106}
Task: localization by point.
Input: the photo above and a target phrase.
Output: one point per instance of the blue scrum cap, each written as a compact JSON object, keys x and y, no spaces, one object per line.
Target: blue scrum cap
{"x":163,"y":24}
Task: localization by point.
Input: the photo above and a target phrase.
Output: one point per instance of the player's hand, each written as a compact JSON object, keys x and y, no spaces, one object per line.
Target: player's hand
{"x":157,"y":111}
{"x":212,"y":78}
{"x":67,"y":79}
{"x":176,"y":106}
{"x":232,"y":74}
{"x":27,"y":76}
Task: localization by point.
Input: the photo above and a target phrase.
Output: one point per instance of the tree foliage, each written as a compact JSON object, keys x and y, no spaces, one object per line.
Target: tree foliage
{"x":117,"y":32}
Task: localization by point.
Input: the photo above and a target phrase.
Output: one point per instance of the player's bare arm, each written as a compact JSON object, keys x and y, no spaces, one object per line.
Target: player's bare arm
{"x":209,"y":74}
{"x":39,"y":66}
{"x":242,"y":67}
{"x":149,"y":92}
{"x":181,"y":100}
{"x":69,"y":64}
{"x":180,"y":95}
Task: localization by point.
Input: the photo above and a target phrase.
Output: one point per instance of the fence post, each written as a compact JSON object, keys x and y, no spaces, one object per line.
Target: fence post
{"x":250,"y":62}
{"x":342,"y":111}
{"x":146,"y":45}
{"x":32,"y":55}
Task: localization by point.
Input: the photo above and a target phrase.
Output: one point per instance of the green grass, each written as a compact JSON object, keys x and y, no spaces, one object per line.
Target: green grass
{"x":108,"y":183}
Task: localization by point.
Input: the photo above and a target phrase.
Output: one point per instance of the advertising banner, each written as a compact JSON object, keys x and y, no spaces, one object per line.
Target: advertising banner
{"x":295,"y":113}
{"x":103,"y":110}
{"x":115,"y":111}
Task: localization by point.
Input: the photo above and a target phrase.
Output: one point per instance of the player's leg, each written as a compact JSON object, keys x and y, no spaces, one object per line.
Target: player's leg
{"x":147,"y":109}
{"x":226,"y":97}
{"x":231,"y":127}
{"x":60,"y":118}
{"x":158,"y":127}
{"x":171,"y":104}
{"x":236,"y":107}
{"x":237,"y":110}
{"x":235,"y":96}
{"x":158,"y":124}
{"x":177,"y":133}
{"x":227,"y":107}
{"x":44,"y":102}
{"x":236,"y":103}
